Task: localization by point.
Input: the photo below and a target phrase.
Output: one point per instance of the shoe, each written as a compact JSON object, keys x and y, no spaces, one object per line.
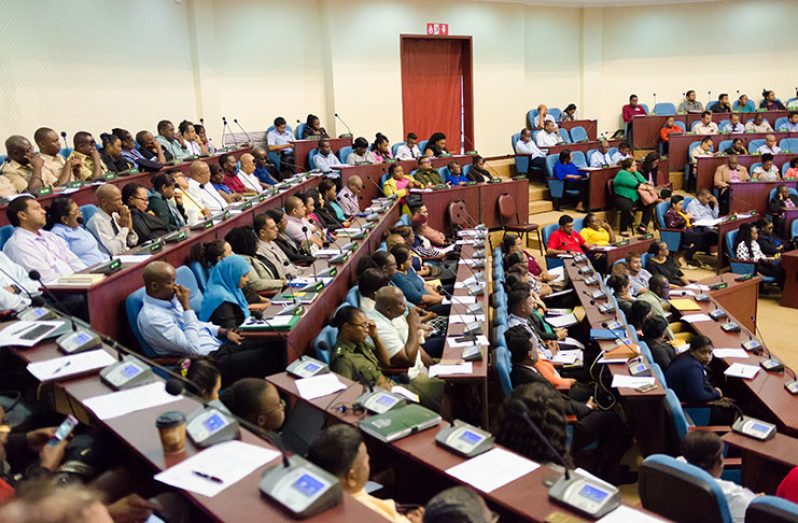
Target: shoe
{"x":705,"y":266}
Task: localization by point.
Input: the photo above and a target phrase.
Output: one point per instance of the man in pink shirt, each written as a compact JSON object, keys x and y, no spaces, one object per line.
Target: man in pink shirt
{"x":435,"y":236}
{"x":631,"y":110}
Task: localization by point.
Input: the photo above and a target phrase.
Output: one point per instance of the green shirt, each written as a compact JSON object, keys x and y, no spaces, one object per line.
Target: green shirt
{"x":428,"y":177}
{"x":356,"y":362}
{"x":625,"y":184}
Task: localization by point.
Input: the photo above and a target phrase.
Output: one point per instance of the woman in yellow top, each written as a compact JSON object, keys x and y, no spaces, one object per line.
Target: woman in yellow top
{"x":597,"y":232}
{"x":399,"y":184}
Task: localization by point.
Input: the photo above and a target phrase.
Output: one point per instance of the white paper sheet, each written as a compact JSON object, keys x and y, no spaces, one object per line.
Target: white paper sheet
{"x":123,"y":402}
{"x":302,"y":281}
{"x":681,"y":292}
{"x":741,"y":370}
{"x":697,"y":287}
{"x":448,"y":370}
{"x":446,"y":250}
{"x":707,"y":222}
{"x":323,"y":253}
{"x":60,"y":368}
{"x":620,"y":381}
{"x":464,"y":300}
{"x":230,"y":461}
{"x":467,"y":283}
{"x":481,"y":340}
{"x":572,"y":343}
{"x":20,"y":333}
{"x":562,"y":321}
{"x":493,"y":469}
{"x":469,"y":261}
{"x":729,"y":353}
{"x":133,"y":258}
{"x":559,"y":293}
{"x":467,"y":242}
{"x":558,"y":273}
{"x":611,"y":361}
{"x":695,"y":318}
{"x":568,"y":357}
{"x":318,"y":386}
{"x":412,"y":396}
{"x":466,"y":318}
{"x":625,"y":514}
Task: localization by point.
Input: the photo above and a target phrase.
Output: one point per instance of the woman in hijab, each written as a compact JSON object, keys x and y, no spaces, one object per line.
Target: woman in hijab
{"x":224,"y":303}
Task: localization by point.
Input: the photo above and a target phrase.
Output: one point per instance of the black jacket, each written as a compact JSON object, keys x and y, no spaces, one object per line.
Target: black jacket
{"x":521,"y":375}
{"x":294,"y":254}
{"x":227,"y":315}
{"x":147,"y":226}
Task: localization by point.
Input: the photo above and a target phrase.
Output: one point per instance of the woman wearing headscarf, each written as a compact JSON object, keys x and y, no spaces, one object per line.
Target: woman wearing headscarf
{"x":224,"y":303}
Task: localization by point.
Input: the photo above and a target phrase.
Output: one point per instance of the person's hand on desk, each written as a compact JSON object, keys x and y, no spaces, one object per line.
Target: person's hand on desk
{"x":233,"y":337}
{"x":260,"y":306}
{"x":131,"y":509}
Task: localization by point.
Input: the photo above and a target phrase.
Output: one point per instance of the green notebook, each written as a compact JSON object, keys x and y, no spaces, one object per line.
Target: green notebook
{"x":401,"y":422}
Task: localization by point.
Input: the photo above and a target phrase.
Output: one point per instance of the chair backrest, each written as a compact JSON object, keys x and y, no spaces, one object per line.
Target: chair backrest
{"x":6,"y":231}
{"x":644,"y":259}
{"x":299,"y":129}
{"x":578,"y":134}
{"x":513,"y":140}
{"x":657,"y":370}
{"x":324,"y":343}
{"x":88,"y":211}
{"x":789,"y":144}
{"x":579,"y":223}
{"x":133,"y":304}
{"x":694,"y":125}
{"x":550,"y":161}
{"x":723,"y":145}
{"x":723,"y":123}
{"x":548,"y":230}
{"x":781,"y":122}
{"x":395,"y":147}
{"x":458,"y":214}
{"x":444,"y":173}
{"x":665,"y":109}
{"x":645,"y":106}
{"x":749,"y":105}
{"x":422,"y":145}
{"x":565,"y":136}
{"x":794,"y":230}
{"x":556,"y":112}
{"x":589,"y":154}
{"x":507,"y":210}
{"x":404,"y":220}
{"x":343,"y":153}
{"x":503,"y":368}
{"x":661,"y":209}
{"x":770,"y":509}
{"x":200,"y":274}
{"x":754,"y":166}
{"x":678,"y":417}
{"x":383,"y":179}
{"x":680,"y":491}
{"x":753,"y":145}
{"x":681,"y":125}
{"x":692,"y":146}
{"x":311,"y":156}
{"x":530,"y":117}
{"x":185,"y":277}
{"x":353,"y":296}
{"x":578,"y":157}
{"x":646,"y":351}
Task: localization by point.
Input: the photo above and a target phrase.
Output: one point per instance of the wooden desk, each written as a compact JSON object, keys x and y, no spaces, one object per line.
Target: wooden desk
{"x":597,"y":199}
{"x":678,"y":152}
{"x":591,"y":126}
{"x":789,"y":262}
{"x":770,"y":116}
{"x":488,"y":210}
{"x":706,"y":166}
{"x":302,"y":149}
{"x":741,"y":298}
{"x":752,"y":195}
{"x":438,"y":201}
{"x":635,"y":245}
{"x":646,"y":128}
{"x":765,"y":463}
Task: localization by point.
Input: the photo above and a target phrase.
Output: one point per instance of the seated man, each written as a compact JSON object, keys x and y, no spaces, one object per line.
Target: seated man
{"x":151,"y":149}
{"x":521,"y":305}
{"x":294,"y":250}
{"x":703,"y":207}
{"x":132,"y":155}
{"x":172,"y":142}
{"x":733,"y":126}
{"x":690,"y":104}
{"x":706,"y":125}
{"x":26,"y":170}
{"x":112,"y":223}
{"x":669,"y":128}
{"x":279,"y":140}
{"x":781,"y":202}
{"x":460,"y":504}
{"x":409,"y":150}
{"x":325,"y":160}
{"x":341,"y":451}
{"x":725,"y":175}
{"x":265,"y":170}
{"x":657,"y":296}
{"x":16,"y":287}
{"x":246,"y":173}
{"x":229,"y":167}
{"x":299,"y":228}
{"x":723,"y":105}
{"x":694,"y":238}
{"x":255,"y":400}
{"x":792,"y":124}
{"x":549,"y":136}
{"x":770,"y":146}
{"x":456,"y":176}
{"x":525,"y":145}
{"x":767,"y":172}
{"x":171,"y":328}
{"x":543,"y":116}
{"x":200,"y":189}
{"x":426,"y":175}
{"x":86,"y":154}
{"x":566,"y":240}
{"x":602,"y":157}
{"x":349,"y":197}
{"x":758,"y":124}
{"x":55,"y":165}
{"x":624,"y":151}
{"x":267,"y":231}
{"x":34,"y":248}
{"x":436,"y":237}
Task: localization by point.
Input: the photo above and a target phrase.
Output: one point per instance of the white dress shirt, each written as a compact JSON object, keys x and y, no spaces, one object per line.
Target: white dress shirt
{"x":114,"y":238}
{"x":193,"y":148}
{"x":764,"y":127}
{"x":393,"y":335}
{"x":275,"y":138}
{"x":529,"y":148}
{"x":250,"y":181}
{"x":44,"y":252}
{"x":326,"y":163}
{"x":355,"y":159}
{"x":549,"y":118}
{"x":764,"y":149}
{"x":403,"y":152}
{"x":597,"y":159}
{"x":766,"y":176}
{"x":699,"y":211}
{"x":13,"y":274}
{"x":207,"y":195}
{"x":544,"y":139}
{"x":734,"y":129}
{"x":618,"y":157}
{"x":348,"y":201}
{"x":710,"y":128}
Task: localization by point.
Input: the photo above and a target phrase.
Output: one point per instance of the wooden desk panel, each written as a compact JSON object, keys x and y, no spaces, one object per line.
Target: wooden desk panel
{"x":635,"y":245}
{"x":646,"y":129}
{"x":741,"y":299}
{"x":765,"y":463}
{"x":706,"y":166}
{"x":489,"y":201}
{"x":437,"y":203}
{"x":770,"y":116}
{"x":591,"y":126}
{"x":789,"y":262}
{"x":598,"y":186}
{"x":752,"y":195}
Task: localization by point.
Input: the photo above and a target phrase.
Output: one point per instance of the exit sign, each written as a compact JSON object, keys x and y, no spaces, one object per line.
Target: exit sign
{"x":437,"y":29}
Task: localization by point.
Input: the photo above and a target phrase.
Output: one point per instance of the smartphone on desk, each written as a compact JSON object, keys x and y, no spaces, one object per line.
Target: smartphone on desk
{"x":64,"y":430}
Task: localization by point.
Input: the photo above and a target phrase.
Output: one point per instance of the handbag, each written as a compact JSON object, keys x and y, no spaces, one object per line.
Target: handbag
{"x":648,"y":194}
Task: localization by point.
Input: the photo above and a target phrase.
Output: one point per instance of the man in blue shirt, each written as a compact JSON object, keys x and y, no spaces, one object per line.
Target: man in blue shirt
{"x":791,"y":125}
{"x":171,"y":328}
{"x":456,"y":176}
{"x":264,"y":169}
{"x":66,"y":221}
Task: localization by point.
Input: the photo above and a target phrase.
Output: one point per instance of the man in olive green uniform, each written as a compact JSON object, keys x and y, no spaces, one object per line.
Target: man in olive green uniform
{"x":426,"y":175}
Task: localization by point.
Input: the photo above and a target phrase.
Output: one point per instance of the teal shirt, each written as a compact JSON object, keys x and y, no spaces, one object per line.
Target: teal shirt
{"x":625,"y":184}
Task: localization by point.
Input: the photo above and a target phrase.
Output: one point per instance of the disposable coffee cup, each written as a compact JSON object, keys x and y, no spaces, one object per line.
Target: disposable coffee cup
{"x":172,"y":429}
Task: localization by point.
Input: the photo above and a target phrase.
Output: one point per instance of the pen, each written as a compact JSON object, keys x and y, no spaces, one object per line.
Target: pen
{"x":62,"y":367}
{"x":207,"y":476}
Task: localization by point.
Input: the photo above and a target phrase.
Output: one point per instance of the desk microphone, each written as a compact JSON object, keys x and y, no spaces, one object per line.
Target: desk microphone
{"x":392,"y":197}
{"x":215,"y":197}
{"x":471,"y":308}
{"x":520,"y":407}
{"x":249,"y":140}
{"x":655,"y":98}
{"x":249,"y":183}
{"x":307,"y":238}
{"x":349,"y":131}
{"x":64,"y":137}
{"x":226,"y":130}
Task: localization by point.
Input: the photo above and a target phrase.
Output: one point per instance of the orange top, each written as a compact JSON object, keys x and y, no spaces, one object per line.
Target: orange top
{"x":665,"y":132}
{"x":546,"y":368}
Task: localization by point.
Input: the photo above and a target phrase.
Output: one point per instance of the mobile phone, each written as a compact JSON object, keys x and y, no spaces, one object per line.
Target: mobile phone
{"x":647,"y":387}
{"x":64,"y":430}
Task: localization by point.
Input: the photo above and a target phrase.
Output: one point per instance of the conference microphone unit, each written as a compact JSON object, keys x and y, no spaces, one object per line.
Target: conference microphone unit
{"x":348,"y":133}
{"x":249,"y":140}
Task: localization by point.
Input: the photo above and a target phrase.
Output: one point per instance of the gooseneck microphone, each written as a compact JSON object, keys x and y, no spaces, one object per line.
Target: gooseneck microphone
{"x":249,"y":140}
{"x":348,"y":130}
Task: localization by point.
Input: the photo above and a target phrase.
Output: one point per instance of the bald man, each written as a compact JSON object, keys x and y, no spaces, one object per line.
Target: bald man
{"x":246,"y":173}
{"x":169,"y":325}
{"x":202,"y":190}
{"x":349,"y":197}
{"x":55,"y":166}
{"x":112,"y":224}
{"x":91,"y":166}
{"x":264,"y":169}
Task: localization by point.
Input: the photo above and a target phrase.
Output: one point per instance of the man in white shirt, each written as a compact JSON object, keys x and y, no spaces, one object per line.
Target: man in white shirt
{"x":326,"y":160}
{"x":112,"y":224}
{"x":624,"y":151}
{"x":770,"y":146}
{"x":758,"y":124}
{"x":548,"y":136}
{"x":734,"y":126}
{"x":34,"y":248}
{"x":202,"y":190}
{"x":706,"y":125}
{"x":16,"y":287}
{"x":525,"y":145}
{"x":349,"y":197}
{"x":703,"y":207}
{"x":409,"y":150}
{"x":601,"y":157}
{"x":279,"y":140}
{"x":543,"y":116}
{"x":171,"y":141}
{"x":299,"y":227}
{"x":246,"y":174}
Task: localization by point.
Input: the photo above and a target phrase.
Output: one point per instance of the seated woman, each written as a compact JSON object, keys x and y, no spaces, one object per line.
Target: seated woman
{"x":746,"y":248}
{"x":321,"y":208}
{"x":398,"y":183}
{"x":769,"y":101}
{"x":539,"y":284}
{"x":381,"y":149}
{"x":567,"y":171}
{"x":792,"y":173}
{"x":518,"y":278}
{"x":742,"y":106}
{"x":456,"y":176}
{"x":210,"y":253}
{"x":360,"y":154}
{"x":737,"y":147}
{"x":597,"y":231}
{"x":662,"y":263}
{"x":203,"y":376}
{"x":426,"y":175}
{"x":782,"y":201}
{"x":687,"y":374}
{"x":621,"y":286}
{"x":64,"y":219}
{"x":436,"y":145}
{"x":224,"y":303}
{"x":148,"y":226}
{"x":626,"y":187}
{"x":166,"y":203}
{"x":313,"y":128}
{"x":328,"y":192}
{"x":770,"y":243}
{"x":694,"y":239}
{"x":133,"y":156}
{"x":479,"y":173}
{"x":568,"y":114}
{"x":112,"y":153}
{"x":655,"y":334}
{"x":704,"y":450}
{"x":262,"y":275}
{"x":310,"y":210}
{"x":257,"y":401}
{"x":415,"y":289}
{"x":767,"y":172}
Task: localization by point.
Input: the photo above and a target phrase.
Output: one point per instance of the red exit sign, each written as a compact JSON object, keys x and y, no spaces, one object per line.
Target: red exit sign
{"x":437,"y":29}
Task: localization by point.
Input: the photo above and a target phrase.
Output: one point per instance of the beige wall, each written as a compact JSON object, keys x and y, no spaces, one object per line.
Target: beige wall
{"x":122,"y":63}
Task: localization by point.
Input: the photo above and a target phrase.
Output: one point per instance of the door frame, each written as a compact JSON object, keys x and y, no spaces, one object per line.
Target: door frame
{"x":468,"y":80}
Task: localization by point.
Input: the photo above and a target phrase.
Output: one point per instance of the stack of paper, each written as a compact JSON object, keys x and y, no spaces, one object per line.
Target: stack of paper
{"x":729,"y":353}
{"x":448,"y":370}
{"x":621,"y":381}
{"x":124,"y":402}
{"x":492,"y":470}
{"x":318,"y":386}
{"x":567,"y":357}
{"x":685,"y":305}
{"x":565,"y":320}
{"x":28,"y":333}
{"x":740,"y":370}
{"x":695,"y":318}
